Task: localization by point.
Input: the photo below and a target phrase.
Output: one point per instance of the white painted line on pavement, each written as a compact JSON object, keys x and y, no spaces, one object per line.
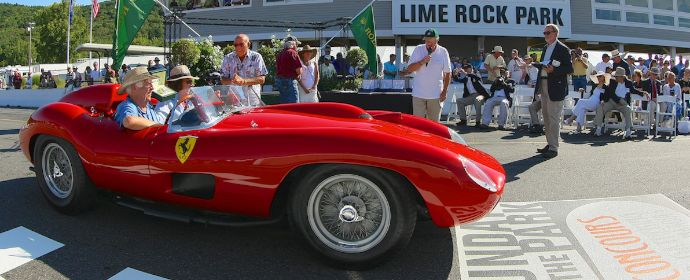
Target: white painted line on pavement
{"x":21,"y":245}
{"x":133,"y":274}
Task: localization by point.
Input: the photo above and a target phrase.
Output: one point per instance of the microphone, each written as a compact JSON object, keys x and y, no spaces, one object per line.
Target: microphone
{"x":429,"y":51}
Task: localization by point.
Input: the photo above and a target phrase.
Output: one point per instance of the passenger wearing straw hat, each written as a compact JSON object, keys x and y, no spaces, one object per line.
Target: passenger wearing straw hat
{"x":309,"y":80}
{"x":592,"y":103}
{"x":617,"y":97}
{"x":181,"y":81}
{"x":136,"y":112}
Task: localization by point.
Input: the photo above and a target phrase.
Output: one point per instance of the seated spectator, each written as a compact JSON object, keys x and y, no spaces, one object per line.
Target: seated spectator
{"x":474,"y":93}
{"x":136,"y":112}
{"x":531,"y":72}
{"x":685,"y":85}
{"x":501,"y":89}
{"x":616,"y":97}
{"x":590,"y":104}
{"x":671,"y":88}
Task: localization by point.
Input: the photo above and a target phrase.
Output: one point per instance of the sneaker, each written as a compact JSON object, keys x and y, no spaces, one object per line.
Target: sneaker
{"x":543,"y":150}
{"x":598,"y":131}
{"x":628,"y":134}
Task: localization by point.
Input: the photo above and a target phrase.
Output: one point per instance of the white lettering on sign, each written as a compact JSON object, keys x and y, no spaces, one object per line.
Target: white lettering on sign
{"x":480,"y":17}
{"x":519,"y":241}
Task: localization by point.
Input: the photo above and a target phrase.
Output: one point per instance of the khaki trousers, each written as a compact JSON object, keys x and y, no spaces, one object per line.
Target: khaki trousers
{"x":474,"y":99}
{"x":552,"y":111}
{"x":427,"y":108}
{"x":534,"y":110}
{"x":611,"y":105}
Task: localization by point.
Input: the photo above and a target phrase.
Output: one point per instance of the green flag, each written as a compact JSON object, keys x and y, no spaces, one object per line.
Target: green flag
{"x":364,"y":30}
{"x":131,"y":15}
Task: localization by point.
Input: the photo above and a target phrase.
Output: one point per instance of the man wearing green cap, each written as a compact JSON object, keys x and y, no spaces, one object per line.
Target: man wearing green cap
{"x":432,"y":68}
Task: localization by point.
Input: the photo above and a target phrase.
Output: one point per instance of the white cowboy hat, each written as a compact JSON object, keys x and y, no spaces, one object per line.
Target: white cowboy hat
{"x":498,"y":49}
{"x":595,"y":77}
{"x":615,"y":53}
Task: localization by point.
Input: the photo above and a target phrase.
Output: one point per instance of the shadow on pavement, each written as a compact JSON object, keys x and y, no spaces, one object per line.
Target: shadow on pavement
{"x":515,"y":168}
{"x":107,"y":239}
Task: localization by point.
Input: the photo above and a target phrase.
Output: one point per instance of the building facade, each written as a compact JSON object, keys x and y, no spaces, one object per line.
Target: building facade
{"x":467,"y":27}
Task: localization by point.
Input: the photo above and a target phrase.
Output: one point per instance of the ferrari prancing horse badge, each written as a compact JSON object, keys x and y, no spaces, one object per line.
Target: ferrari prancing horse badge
{"x":184,"y":147}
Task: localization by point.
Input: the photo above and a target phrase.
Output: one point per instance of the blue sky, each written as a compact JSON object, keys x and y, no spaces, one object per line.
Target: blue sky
{"x":42,"y":2}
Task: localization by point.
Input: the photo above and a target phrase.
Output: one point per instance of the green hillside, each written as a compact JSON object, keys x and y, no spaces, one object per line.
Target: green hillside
{"x":50,"y":33}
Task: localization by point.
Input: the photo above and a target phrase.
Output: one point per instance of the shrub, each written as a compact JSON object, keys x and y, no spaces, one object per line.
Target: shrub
{"x":210,"y":58}
{"x":356,"y":57}
{"x":185,"y":52}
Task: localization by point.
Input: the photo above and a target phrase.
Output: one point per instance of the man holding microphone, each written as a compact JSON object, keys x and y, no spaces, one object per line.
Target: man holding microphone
{"x":432,"y":68}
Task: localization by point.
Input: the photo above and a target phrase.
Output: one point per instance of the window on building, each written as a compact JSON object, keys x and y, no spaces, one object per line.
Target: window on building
{"x":663,"y":4}
{"x":608,"y":15}
{"x":637,"y":3}
{"x":235,"y":2}
{"x":684,"y":22}
{"x":637,"y":17}
{"x":684,"y":6}
{"x":608,"y":1}
{"x":664,"y":20}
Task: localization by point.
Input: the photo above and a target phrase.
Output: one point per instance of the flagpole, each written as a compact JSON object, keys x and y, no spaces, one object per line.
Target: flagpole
{"x":69,"y":25}
{"x":91,"y":31}
{"x":349,"y":22}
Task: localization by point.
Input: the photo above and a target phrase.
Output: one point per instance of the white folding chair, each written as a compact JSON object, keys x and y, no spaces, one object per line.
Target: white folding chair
{"x":611,"y":122}
{"x":520,"y":110}
{"x":670,"y":102}
{"x":641,"y":116}
{"x":686,"y":100}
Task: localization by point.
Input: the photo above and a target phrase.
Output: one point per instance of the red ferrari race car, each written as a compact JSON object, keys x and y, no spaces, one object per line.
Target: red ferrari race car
{"x":352,"y":182}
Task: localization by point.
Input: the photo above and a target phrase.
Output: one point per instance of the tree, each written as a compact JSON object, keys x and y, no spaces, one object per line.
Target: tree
{"x":185,"y":52}
{"x":210,"y":58}
{"x":51,"y":28}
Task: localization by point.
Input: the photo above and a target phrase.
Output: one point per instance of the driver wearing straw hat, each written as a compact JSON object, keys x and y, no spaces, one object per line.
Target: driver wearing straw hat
{"x":136,"y":112}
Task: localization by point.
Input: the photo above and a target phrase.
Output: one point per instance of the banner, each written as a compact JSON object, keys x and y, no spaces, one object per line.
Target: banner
{"x":364,"y":31}
{"x":96,"y":8}
{"x":131,"y":15}
{"x":481,"y":17}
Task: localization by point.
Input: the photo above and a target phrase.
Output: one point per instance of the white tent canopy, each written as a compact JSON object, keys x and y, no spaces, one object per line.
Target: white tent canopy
{"x":108,"y":48}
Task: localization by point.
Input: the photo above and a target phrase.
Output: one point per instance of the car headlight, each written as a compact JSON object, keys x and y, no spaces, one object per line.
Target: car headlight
{"x":455,"y":136}
{"x":477,"y":174}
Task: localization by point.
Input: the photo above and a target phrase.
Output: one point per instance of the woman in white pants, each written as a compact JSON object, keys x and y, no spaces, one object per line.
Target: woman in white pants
{"x":309,"y":79}
{"x":590,"y":104}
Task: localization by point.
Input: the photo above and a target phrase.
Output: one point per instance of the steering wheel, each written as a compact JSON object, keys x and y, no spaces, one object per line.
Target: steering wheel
{"x":199,"y":106}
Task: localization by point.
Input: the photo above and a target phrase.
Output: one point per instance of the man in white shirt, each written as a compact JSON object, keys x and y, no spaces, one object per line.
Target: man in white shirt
{"x":494,"y":62}
{"x":431,"y":64}
{"x":515,"y":66}
{"x":605,"y":62}
{"x":96,"y":74}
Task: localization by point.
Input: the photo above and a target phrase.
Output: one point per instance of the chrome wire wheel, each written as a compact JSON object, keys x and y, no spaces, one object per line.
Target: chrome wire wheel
{"x":57,"y":171}
{"x":349,"y":213}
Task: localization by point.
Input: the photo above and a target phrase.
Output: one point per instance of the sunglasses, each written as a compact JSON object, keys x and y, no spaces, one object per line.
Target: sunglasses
{"x":238,"y":45}
{"x":547,"y":33}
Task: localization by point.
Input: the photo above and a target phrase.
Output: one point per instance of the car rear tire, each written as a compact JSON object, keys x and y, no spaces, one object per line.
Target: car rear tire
{"x":61,"y":176}
{"x":355,"y":216}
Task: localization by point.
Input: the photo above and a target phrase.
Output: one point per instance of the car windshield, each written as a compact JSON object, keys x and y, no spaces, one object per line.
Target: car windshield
{"x":208,"y":105}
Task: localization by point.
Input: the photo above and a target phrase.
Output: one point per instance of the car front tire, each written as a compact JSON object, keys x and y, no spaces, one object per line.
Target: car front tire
{"x":355,"y":216}
{"x":61,"y":176}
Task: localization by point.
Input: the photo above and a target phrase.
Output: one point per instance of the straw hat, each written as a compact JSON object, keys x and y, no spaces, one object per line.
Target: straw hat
{"x":615,"y":53}
{"x":180,"y":72}
{"x":498,"y":49}
{"x":134,"y":76}
{"x":620,"y":72}
{"x":308,"y":48}
{"x":607,"y":77}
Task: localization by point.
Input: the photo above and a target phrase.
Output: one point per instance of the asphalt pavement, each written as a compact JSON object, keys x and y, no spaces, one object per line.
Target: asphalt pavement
{"x":109,"y":239}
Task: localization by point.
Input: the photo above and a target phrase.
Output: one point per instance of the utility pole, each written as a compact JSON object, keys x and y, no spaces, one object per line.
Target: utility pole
{"x":29,"y":27}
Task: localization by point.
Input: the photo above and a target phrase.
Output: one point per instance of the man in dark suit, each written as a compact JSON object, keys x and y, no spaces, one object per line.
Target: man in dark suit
{"x":652,"y":86}
{"x":553,"y":87}
{"x":473,"y":94}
